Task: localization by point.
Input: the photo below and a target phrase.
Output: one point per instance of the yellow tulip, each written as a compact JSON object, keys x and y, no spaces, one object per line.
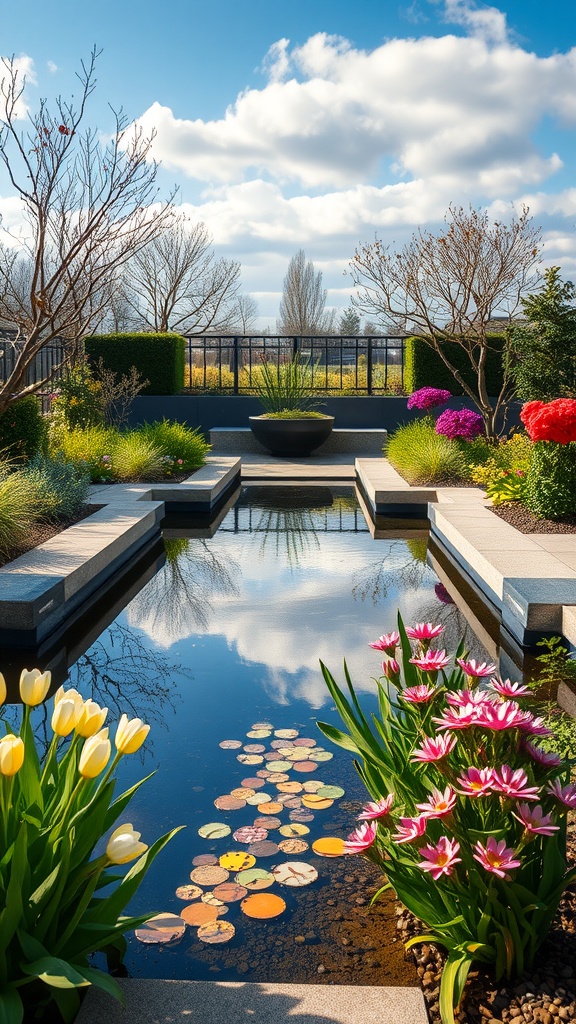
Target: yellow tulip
{"x":34,"y":686}
{"x":95,"y":755}
{"x":91,"y":720}
{"x":71,"y":694}
{"x":124,"y":846}
{"x":11,"y":754}
{"x":130,"y":735}
{"x":65,"y":716}
{"x":3,"y":691}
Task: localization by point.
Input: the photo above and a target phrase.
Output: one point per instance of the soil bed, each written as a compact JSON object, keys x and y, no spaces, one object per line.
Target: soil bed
{"x":524,"y":521}
{"x":42,"y":532}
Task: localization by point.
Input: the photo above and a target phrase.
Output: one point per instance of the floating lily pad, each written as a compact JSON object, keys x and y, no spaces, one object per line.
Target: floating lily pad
{"x":289,"y":749}
{"x":229,"y":803}
{"x":320,"y":755}
{"x":242,"y":792}
{"x":162,"y":929}
{"x":262,"y":725}
{"x":292,"y":801}
{"x":293,"y":845}
{"x":263,"y":773}
{"x":230,"y":892}
{"x":312,"y":786}
{"x":304,"y":741}
{"x":289,"y":787}
{"x":328,"y":846}
{"x":253,"y":783}
{"x":304,"y":766}
{"x":254,"y":748}
{"x":212,"y":900}
{"x":315,"y":802}
{"x":295,"y":873}
{"x":263,"y":906}
{"x":294,"y":830}
{"x":206,"y":858}
{"x":302,"y":816}
{"x":199,"y":913}
{"x":213,"y":830}
{"x":255,"y":878}
{"x":189,"y":892}
{"x":332,"y":792}
{"x":230,"y":744}
{"x":258,"y":798}
{"x":216,"y":932}
{"x":236,"y":860}
{"x":258,"y":734}
{"x":286,"y":734}
{"x":279,"y":766}
{"x":250,"y":758}
{"x":298,"y":755}
{"x":250,"y":834}
{"x":268,"y":823}
{"x":277,"y":777}
{"x":272,"y":807}
{"x":264,"y":849}
{"x":209,"y":874}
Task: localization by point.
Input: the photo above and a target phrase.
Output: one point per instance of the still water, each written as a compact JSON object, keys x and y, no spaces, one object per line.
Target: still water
{"x":228,"y":635}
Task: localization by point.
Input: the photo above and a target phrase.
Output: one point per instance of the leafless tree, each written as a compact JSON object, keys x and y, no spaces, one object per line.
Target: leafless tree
{"x":177,"y":284}
{"x":89,"y":208}
{"x":303,"y":303}
{"x":447,"y":288}
{"x":244,"y":314}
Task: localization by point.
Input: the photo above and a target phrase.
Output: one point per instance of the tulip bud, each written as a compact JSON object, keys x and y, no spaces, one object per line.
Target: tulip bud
{"x":91,"y":720}
{"x":123,"y":845}
{"x":34,"y":686}
{"x":65,"y":717}
{"x":3,"y":691}
{"x":130,"y":735}
{"x":11,"y":754}
{"x":95,"y":755}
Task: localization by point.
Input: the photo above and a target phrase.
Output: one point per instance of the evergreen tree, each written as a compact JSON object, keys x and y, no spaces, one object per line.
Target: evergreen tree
{"x":544,"y":349}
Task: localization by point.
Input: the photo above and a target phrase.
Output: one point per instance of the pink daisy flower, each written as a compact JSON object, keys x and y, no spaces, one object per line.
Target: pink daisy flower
{"x":361,"y":839}
{"x":535,"y":821}
{"x":507,"y":715}
{"x":564,"y":794}
{"x":458,"y":718}
{"x":507,"y":689}
{"x":546,"y":758}
{"x":475,"y":782}
{"x":459,"y":698}
{"x":391,"y":670}
{"x":418,"y":694}
{"x":409,"y":829}
{"x":378,"y":809}
{"x":387,"y":643}
{"x":439,"y":804}
{"x":513,"y":783}
{"x":496,"y":857}
{"x":435,"y":748}
{"x":535,"y":727}
{"x":424,"y":631}
{"x":476,"y":669}
{"x":440,"y":859}
{"x":431,"y":661}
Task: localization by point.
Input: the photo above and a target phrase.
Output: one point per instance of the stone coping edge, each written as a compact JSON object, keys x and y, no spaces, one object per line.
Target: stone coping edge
{"x":155,"y":1001}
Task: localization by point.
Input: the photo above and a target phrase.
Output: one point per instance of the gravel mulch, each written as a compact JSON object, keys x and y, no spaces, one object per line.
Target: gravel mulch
{"x":42,"y":532}
{"x":545,"y":994}
{"x":524,"y":521}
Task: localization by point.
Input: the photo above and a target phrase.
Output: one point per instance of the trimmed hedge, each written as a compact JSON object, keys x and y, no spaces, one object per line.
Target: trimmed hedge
{"x":22,"y":430}
{"x":159,"y":358}
{"x":423,"y":367}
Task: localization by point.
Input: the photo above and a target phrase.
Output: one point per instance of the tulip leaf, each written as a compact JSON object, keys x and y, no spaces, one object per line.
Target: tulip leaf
{"x":118,"y":805}
{"x":11,"y":1008}
{"x":102,"y":980}
{"x":13,"y":912}
{"x":337,"y":736}
{"x":68,"y":1003}
{"x":55,"y":972}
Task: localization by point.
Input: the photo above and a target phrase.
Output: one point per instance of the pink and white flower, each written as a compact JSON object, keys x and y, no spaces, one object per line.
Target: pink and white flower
{"x":475,"y":782}
{"x":513,"y":783}
{"x":409,"y":829}
{"x":535,"y":821}
{"x":424,"y":632}
{"x":387,"y":643}
{"x":535,"y":727}
{"x":435,"y":748}
{"x":361,"y":839}
{"x":440,"y":859}
{"x":546,"y":758}
{"x":458,"y":718}
{"x":507,"y":715}
{"x":418,"y":694}
{"x":564,"y":794}
{"x":496,"y":857}
{"x":459,"y":698}
{"x":391,"y":670}
{"x":507,"y":689}
{"x":377,"y":809}
{"x":476,"y":669}
{"x":440,"y":804}
{"x":431,"y":661}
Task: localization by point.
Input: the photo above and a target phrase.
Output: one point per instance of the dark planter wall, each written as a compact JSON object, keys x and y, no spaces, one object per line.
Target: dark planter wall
{"x":206,"y":411}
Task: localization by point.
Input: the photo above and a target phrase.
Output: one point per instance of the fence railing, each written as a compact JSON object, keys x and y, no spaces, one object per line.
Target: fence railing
{"x":49,"y":357}
{"x":229,"y":364}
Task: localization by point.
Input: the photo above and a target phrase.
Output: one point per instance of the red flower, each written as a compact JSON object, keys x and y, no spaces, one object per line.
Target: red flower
{"x":550,"y":421}
{"x":63,"y":129}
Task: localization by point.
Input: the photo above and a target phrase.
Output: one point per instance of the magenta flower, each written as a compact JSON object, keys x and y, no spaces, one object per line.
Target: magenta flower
{"x":418,"y":694}
{"x":564,"y":794}
{"x":513,"y":783}
{"x":507,"y":715}
{"x":432,"y":661}
{"x":378,"y":809}
{"x":424,"y":631}
{"x":462,"y":423}
{"x":476,"y":669}
{"x":440,"y":859}
{"x":428,"y":398}
{"x":439,"y":804}
{"x":459,"y":718}
{"x":409,"y":829}
{"x":387,"y":643}
{"x":496,"y":857}
{"x":507,"y":689}
{"x":460,"y":698}
{"x":546,"y":758}
{"x":475,"y":781}
{"x":442,"y":594}
{"x":391,"y":670}
{"x":535,"y":821}
{"x":361,"y":839}
{"x":535,"y":726}
{"x":435,"y":748}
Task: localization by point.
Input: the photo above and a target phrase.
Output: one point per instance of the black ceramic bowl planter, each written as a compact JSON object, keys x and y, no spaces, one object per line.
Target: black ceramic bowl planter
{"x":291,"y":437}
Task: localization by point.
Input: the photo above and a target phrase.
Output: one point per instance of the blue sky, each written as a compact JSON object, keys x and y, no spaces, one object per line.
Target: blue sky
{"x":317,"y":125}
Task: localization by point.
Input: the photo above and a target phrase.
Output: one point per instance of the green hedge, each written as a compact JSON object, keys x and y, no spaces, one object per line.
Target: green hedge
{"x":22,"y":430}
{"x":159,"y":358}
{"x":423,"y":367}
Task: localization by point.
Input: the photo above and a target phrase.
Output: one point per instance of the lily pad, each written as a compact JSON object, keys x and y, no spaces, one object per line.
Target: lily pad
{"x":209,"y":874}
{"x":259,"y":734}
{"x":229,"y":803}
{"x":294,"y":830}
{"x":271,"y":807}
{"x":199,"y":913}
{"x":320,"y":755}
{"x":255,"y":878}
{"x":236,"y":860}
{"x":302,"y":816}
{"x":230,"y":892}
{"x":263,"y":906}
{"x":332,"y":792}
{"x":315,"y":802}
{"x":230,"y":744}
{"x":162,"y":929}
{"x":211,"y":899}
{"x":213,"y":830}
{"x":266,"y":848}
{"x":206,"y":858}
{"x":250,"y":758}
{"x":292,"y":801}
{"x":293,"y":845}
{"x":312,"y":786}
{"x":254,"y":748}
{"x":189,"y":892}
{"x":216,"y":932}
{"x":304,"y":741}
{"x":258,"y":798}
{"x":269,"y":823}
{"x":280,"y":766}
{"x":289,"y":787}
{"x":276,"y":777}
{"x":253,"y":783}
{"x":263,"y":773}
{"x":286,"y":734}
{"x":250,"y":834}
{"x":329,"y":846}
{"x":262,"y":725}
{"x":304,"y":766}
{"x":295,"y":873}
{"x":242,"y":792}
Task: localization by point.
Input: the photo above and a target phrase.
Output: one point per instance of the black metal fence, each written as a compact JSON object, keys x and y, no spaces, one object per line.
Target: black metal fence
{"x":229,"y":364}
{"x":49,"y":357}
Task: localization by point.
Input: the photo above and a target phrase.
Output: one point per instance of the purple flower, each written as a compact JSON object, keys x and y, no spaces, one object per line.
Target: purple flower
{"x":442,"y":594}
{"x":463,"y":423}
{"x":428,"y":398}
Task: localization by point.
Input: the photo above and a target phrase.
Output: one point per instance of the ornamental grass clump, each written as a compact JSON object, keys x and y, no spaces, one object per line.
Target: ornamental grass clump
{"x":60,"y":900}
{"x":551,"y":483}
{"x":467,"y":818}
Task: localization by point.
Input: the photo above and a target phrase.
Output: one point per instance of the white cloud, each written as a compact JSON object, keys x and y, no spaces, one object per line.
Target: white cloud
{"x":24,"y":67}
{"x":52,"y":67}
{"x":487,"y":22}
{"x":276,"y":63}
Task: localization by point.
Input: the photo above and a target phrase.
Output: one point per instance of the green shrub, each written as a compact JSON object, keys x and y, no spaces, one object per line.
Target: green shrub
{"x":84,"y":448}
{"x":61,"y":487}
{"x":136,"y":458}
{"x":422,"y":456}
{"x":80,"y":400}
{"x":550,"y":485}
{"x":544,"y":347}
{"x":423,"y":367}
{"x":17,"y":509}
{"x":177,"y":441}
{"x":159,"y":358}
{"x":504,"y":473}
{"x":22,"y":429}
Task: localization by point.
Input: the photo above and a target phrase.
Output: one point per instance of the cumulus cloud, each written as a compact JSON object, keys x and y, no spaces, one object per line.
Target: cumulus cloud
{"x":276,"y":63}
{"x":26,"y":75}
{"x":488,"y":22}
{"x":52,"y":67}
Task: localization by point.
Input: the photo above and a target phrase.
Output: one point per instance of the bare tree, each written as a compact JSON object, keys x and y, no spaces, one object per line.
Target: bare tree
{"x":244,"y":314}
{"x":303,"y":304}
{"x":89,"y":207}
{"x":177,"y":283}
{"x":447,"y":287}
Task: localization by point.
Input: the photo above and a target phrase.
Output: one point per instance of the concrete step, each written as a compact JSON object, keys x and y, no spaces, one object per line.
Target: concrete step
{"x":241,"y":441}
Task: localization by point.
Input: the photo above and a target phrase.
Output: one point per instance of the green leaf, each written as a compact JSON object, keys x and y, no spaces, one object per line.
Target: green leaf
{"x":102,"y":980}
{"x":451,"y":979}
{"x":55,"y":972}
{"x":118,"y":805}
{"x":13,"y":912}
{"x":11,"y":1009}
{"x":68,"y":1002}
{"x":417,"y":939}
{"x":337,"y":736}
